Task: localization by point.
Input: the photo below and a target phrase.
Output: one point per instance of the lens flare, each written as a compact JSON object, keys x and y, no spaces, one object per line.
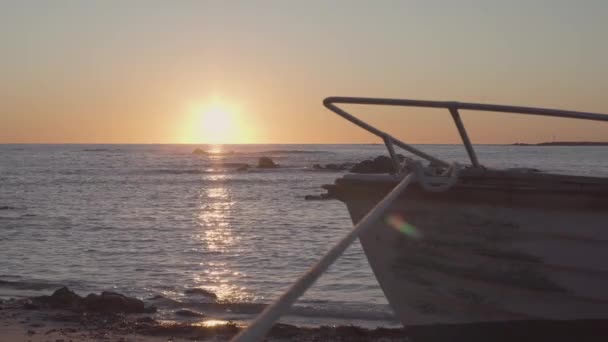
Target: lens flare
{"x":398,"y":222}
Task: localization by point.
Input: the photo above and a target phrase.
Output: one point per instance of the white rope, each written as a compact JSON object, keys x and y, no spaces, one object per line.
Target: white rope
{"x":440,"y":183}
{"x":262,"y":324}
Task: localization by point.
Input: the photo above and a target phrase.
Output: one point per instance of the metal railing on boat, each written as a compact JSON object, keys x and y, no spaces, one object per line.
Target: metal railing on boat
{"x":453,"y":107}
{"x":262,"y":324}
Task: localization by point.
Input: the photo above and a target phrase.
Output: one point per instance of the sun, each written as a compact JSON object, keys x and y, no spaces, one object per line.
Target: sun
{"x":216,"y":123}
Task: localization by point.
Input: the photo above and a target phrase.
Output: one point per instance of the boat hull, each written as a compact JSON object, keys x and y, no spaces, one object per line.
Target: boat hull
{"x":441,"y":260}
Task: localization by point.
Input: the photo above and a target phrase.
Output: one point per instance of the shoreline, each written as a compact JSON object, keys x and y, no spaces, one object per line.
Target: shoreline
{"x":18,"y":323}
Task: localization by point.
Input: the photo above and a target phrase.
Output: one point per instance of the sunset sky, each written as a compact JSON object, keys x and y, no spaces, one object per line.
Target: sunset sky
{"x":257,"y":71}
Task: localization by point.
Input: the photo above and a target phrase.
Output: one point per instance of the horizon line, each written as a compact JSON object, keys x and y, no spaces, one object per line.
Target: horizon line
{"x":192,"y":144}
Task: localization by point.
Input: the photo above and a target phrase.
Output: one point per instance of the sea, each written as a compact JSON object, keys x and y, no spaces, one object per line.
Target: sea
{"x":154,"y":221}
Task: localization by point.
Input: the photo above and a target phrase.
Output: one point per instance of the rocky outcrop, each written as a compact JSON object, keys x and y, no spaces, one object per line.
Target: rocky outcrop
{"x":199,"y":150}
{"x":112,"y":302}
{"x":266,"y":163}
{"x":380,"y":164}
{"x":63,"y":298}
{"x":106,"y":302}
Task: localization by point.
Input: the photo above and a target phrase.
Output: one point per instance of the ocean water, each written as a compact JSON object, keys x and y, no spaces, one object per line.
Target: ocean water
{"x":155,"y":220}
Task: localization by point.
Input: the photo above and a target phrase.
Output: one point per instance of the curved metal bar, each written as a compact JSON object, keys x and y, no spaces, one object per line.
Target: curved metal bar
{"x":467,"y":106}
{"x":383,"y":135}
{"x":453,"y":107}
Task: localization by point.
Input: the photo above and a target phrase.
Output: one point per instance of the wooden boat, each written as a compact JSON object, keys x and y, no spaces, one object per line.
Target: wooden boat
{"x":497,"y":245}
{"x":483,"y":253}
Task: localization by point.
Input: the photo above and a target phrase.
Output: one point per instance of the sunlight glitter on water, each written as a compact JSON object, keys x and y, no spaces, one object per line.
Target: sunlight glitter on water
{"x":219,"y":279}
{"x":212,"y":323}
{"x":214,"y":218}
{"x":215,"y":149}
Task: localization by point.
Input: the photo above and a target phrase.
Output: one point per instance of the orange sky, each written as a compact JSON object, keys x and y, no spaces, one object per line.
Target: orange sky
{"x":256,"y":72}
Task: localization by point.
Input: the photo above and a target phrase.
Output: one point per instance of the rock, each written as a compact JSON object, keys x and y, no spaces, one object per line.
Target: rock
{"x":29,"y":305}
{"x":108,"y":302}
{"x":201,"y":292}
{"x":188,"y":313}
{"x":380,"y":164}
{"x":266,"y":163}
{"x":320,"y":197}
{"x":199,"y":151}
{"x":113,"y":302}
{"x":63,"y":298}
{"x":146,"y":319}
{"x":366,"y":166}
{"x":336,"y":167}
{"x":150,"y":309}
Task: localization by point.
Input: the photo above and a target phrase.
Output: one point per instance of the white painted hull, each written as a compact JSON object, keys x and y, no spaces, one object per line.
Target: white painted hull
{"x":470,"y":263}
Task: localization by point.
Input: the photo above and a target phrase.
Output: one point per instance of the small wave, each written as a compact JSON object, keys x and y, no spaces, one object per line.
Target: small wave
{"x":298,"y":310}
{"x":8,"y":207}
{"x":164,"y":302}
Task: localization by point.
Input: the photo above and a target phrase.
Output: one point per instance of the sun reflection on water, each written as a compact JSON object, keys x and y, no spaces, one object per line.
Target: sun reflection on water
{"x":215,"y":218}
{"x":212,"y":323}
{"x":215,"y":149}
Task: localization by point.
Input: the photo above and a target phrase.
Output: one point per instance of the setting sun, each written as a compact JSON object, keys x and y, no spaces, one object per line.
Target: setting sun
{"x":216,"y":123}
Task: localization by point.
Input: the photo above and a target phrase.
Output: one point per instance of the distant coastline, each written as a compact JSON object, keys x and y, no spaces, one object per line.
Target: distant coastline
{"x":566,"y":143}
